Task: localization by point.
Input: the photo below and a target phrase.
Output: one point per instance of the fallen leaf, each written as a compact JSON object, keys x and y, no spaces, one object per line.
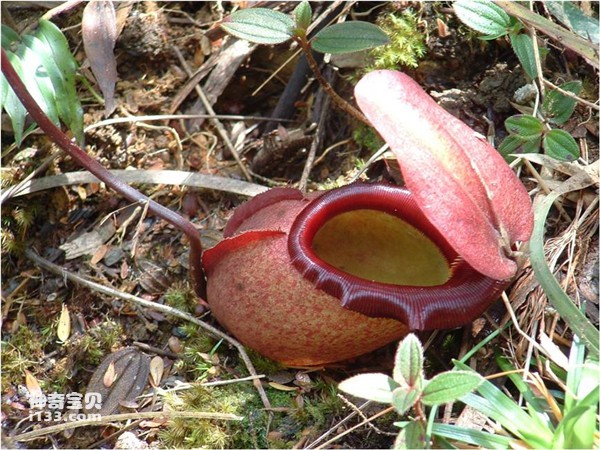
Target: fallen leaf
{"x":63,"y":330}
{"x":99,"y":32}
{"x":88,"y":243}
{"x":32,"y":385}
{"x":124,"y":270}
{"x":82,"y":192}
{"x":109,"y":375}
{"x":154,"y":423}
{"x":99,"y":255}
{"x":131,"y":368}
{"x":282,"y":387}
{"x":157,"y":367}
{"x":175,"y":344}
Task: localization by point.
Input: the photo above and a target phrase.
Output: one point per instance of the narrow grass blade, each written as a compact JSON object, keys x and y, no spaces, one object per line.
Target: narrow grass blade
{"x":557,"y":297}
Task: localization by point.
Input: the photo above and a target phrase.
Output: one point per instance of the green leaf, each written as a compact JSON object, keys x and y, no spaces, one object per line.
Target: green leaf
{"x":522,"y":44}
{"x":536,"y":407}
{"x":303,"y":15}
{"x":12,"y":105}
{"x":47,"y":74}
{"x":559,"y":300}
{"x":497,"y":406}
{"x":524,"y":126}
{"x":448,"y":387}
{"x":515,"y":145}
{"x":578,"y":427}
{"x":558,"y":107}
{"x":473,"y":436}
{"x":9,"y":37}
{"x":569,"y":14}
{"x":371,"y":386}
{"x":50,"y":33}
{"x":403,"y":398}
{"x":45,"y":65}
{"x":260,"y":25}
{"x":408,"y":364}
{"x":578,"y":424}
{"x":37,"y":81}
{"x":412,"y":436}
{"x":483,"y":16}
{"x":349,"y":37}
{"x":574,"y":374}
{"x":560,"y":145}
{"x":68,"y":103}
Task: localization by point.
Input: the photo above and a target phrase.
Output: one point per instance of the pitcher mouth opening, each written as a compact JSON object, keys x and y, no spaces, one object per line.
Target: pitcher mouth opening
{"x":371,"y":247}
{"x":379,"y":246}
{"x":370,"y":234}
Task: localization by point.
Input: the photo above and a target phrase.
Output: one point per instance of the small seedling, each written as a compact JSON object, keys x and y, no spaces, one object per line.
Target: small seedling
{"x":408,"y":388}
{"x":528,"y":133}
{"x":265,"y":26}
{"x":551,"y":419}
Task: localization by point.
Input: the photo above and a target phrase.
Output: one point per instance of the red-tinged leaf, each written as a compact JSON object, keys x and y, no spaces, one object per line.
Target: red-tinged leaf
{"x":99,"y":31}
{"x":461,"y":183}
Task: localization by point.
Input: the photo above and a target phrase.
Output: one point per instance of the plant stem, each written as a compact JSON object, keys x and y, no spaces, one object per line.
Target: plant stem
{"x":100,"y":172}
{"x":339,"y":101}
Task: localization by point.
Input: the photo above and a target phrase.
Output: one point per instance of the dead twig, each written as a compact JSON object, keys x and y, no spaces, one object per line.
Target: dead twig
{"x":213,"y":120}
{"x":358,"y":425}
{"x":169,"y":177}
{"x":316,"y":143}
{"x":119,"y":417}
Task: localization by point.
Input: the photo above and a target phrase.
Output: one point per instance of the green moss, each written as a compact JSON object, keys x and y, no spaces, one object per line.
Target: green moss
{"x":287,"y":423}
{"x":321,"y":406}
{"x":21,"y":351}
{"x":262,"y":364}
{"x":99,"y":341}
{"x":16,"y":221}
{"x":180,"y":297}
{"x":407,"y":42}
{"x":367,"y":137}
{"x":228,"y":399}
{"x":197,"y":345}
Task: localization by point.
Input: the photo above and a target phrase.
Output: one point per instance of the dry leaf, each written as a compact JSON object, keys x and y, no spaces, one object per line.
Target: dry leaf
{"x":88,"y":243}
{"x":99,"y":31}
{"x":157,"y":367}
{"x":282,"y":387}
{"x":442,"y":28}
{"x":109,"y":375}
{"x":21,"y":319}
{"x":82,"y":192}
{"x":553,"y":351}
{"x":154,"y":423}
{"x":64,"y":325}
{"x":131,"y":368}
{"x":175,"y":344}
{"x":100,"y":254}
{"x":32,"y":385}
{"x":124,"y":270}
